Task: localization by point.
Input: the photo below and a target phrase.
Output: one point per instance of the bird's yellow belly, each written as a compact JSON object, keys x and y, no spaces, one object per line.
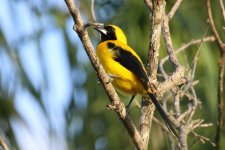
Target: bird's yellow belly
{"x":127,"y":86}
{"x":123,"y":79}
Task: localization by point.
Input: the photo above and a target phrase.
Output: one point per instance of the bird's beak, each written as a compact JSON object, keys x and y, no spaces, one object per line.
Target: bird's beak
{"x":100,"y":29}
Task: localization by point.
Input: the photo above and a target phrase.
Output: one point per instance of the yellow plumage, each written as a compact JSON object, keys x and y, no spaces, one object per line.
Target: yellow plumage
{"x":122,"y":79}
{"x":124,"y":67}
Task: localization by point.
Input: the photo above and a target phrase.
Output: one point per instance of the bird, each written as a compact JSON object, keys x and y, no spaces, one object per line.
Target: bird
{"x":125,"y":68}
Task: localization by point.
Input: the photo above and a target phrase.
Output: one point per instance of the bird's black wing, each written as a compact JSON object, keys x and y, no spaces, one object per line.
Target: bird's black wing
{"x":129,"y":61}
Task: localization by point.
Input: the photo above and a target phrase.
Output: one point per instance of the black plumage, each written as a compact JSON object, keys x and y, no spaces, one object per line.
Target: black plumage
{"x":129,"y":61}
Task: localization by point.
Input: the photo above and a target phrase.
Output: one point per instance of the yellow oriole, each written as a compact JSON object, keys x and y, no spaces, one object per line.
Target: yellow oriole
{"x":124,"y":67}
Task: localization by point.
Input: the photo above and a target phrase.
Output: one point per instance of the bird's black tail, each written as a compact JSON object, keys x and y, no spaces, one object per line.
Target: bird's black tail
{"x":166,"y":119}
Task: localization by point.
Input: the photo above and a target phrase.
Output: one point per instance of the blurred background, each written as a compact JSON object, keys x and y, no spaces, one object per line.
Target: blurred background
{"x":50,"y":97}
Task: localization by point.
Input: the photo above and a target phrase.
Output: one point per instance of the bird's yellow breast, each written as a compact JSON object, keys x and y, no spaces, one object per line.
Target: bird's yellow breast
{"x":122,"y":78}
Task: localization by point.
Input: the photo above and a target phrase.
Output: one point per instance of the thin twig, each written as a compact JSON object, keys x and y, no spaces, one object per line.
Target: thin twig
{"x":177,"y":104}
{"x":220,"y":100}
{"x":3,"y":145}
{"x":221,"y":46}
{"x":196,"y":123}
{"x":206,"y":125}
{"x":212,"y":24}
{"x":162,"y":126}
{"x":186,"y":45}
{"x":195,"y":42}
{"x":93,"y":10}
{"x":194,"y":103}
{"x":203,"y":139}
{"x":174,"y":9}
{"x":184,"y":114}
{"x":149,"y":4}
{"x":222,"y":9}
{"x":177,"y":78}
{"x":168,"y":42}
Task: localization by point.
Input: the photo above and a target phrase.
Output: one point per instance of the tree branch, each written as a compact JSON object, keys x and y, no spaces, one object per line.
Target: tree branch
{"x":146,"y":115}
{"x":213,"y":27}
{"x":168,"y":42}
{"x":176,"y":77}
{"x":174,"y":9}
{"x":186,"y":45}
{"x":157,"y":17}
{"x":221,"y":46}
{"x":203,"y":139}
{"x":3,"y":145}
{"x":220,"y":101}
{"x":117,"y":105}
{"x":222,"y":9}
{"x":149,"y":4}
{"x":159,"y":21}
{"x":147,"y":108}
{"x":93,"y":10}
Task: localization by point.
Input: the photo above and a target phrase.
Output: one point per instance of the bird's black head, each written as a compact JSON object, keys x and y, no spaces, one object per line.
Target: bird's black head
{"x":111,"y":32}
